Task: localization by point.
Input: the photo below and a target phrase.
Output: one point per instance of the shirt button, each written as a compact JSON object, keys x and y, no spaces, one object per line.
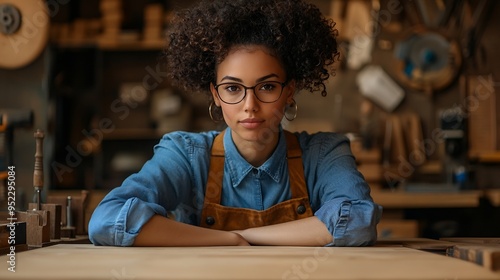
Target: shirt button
{"x":255,"y":171}
{"x":210,"y":220}
{"x":301,"y":209}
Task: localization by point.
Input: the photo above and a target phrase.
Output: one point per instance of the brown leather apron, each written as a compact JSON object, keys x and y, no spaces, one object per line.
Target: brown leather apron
{"x":216,"y":216}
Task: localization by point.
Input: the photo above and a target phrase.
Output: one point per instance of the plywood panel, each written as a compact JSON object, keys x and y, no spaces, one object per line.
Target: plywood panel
{"x":481,"y":107}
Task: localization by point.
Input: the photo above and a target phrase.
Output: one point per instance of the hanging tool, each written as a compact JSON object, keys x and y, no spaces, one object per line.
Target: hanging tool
{"x":475,"y":23}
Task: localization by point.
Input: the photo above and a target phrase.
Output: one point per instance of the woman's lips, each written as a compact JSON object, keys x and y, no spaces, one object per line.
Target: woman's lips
{"x":251,"y":123}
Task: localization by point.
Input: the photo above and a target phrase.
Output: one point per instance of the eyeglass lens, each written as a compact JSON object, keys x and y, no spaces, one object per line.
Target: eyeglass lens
{"x":266,"y":92}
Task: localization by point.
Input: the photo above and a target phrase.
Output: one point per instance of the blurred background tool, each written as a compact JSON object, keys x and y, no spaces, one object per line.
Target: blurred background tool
{"x":24,"y":31}
{"x":38,"y":168}
{"x":38,"y":217}
{"x":428,"y":60}
{"x":10,"y":119}
{"x":52,"y":210}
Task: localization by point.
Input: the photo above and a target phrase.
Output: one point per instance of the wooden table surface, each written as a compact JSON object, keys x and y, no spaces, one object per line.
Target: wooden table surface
{"x":83,"y":261}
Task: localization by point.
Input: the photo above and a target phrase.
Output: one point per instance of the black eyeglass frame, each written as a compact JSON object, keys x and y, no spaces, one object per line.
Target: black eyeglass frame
{"x":283,"y":85}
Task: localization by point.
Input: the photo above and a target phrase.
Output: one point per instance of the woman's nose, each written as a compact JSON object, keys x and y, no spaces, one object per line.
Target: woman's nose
{"x":251,"y":101}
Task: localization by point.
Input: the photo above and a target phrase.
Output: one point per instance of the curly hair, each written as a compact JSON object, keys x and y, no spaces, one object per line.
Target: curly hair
{"x":292,"y":30}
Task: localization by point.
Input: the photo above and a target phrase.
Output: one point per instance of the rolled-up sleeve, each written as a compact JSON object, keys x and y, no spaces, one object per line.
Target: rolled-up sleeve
{"x":117,"y":223}
{"x":339,"y":193}
{"x":157,"y":188}
{"x":352,"y":223}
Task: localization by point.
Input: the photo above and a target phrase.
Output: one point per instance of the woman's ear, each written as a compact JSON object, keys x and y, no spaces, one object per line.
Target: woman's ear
{"x":290,"y":91}
{"x":214,"y":95}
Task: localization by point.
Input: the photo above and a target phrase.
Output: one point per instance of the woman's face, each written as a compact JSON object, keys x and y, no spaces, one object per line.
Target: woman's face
{"x":252,"y":120}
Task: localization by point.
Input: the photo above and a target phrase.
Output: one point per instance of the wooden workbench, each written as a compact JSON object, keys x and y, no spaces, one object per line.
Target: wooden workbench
{"x":384,"y":261}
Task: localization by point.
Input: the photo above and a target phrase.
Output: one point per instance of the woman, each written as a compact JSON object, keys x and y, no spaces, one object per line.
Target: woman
{"x":253,"y":183}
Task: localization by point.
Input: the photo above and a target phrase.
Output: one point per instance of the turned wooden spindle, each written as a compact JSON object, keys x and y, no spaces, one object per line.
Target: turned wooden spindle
{"x":38,"y":170}
{"x":69,"y":216}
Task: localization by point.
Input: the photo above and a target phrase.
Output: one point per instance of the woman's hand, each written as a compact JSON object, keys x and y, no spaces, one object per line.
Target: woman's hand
{"x":305,"y":232}
{"x":240,"y":241}
{"x":160,"y":231}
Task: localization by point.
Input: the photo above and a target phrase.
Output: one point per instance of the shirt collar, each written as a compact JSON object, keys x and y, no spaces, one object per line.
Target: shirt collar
{"x":239,"y":168}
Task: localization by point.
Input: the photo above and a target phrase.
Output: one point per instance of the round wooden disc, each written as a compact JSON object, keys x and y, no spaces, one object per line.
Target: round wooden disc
{"x":435,"y":80}
{"x":27,"y":43}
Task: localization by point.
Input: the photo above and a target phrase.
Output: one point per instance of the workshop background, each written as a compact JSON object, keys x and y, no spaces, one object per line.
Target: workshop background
{"x":415,"y":89}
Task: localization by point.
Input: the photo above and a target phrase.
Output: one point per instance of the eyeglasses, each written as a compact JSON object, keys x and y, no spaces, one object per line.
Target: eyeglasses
{"x":234,"y":93}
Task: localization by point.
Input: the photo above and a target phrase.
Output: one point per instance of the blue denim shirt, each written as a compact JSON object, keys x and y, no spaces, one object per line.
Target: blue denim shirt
{"x":173,"y":182}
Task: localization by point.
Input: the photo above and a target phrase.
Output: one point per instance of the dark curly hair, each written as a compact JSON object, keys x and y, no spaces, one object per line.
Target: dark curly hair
{"x":292,"y":30}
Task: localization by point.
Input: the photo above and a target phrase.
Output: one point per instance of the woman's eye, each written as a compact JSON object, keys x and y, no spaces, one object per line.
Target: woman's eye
{"x":267,"y":87}
{"x":232,"y":88}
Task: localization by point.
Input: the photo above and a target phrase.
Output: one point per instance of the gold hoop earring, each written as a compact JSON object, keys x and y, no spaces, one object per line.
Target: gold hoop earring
{"x":290,"y":116}
{"x":217,"y":112}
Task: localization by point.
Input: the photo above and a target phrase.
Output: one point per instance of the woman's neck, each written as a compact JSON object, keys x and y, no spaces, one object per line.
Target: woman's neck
{"x":257,"y":152}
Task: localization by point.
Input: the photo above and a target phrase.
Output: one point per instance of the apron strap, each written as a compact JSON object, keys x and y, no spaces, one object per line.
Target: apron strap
{"x":213,"y":190}
{"x":295,"y":168}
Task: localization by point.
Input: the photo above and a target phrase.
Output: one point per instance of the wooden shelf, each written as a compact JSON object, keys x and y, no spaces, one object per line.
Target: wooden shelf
{"x":133,"y":134}
{"x":485,"y":157}
{"x":131,"y":46}
{"x":112,"y":45}
{"x":403,"y":199}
